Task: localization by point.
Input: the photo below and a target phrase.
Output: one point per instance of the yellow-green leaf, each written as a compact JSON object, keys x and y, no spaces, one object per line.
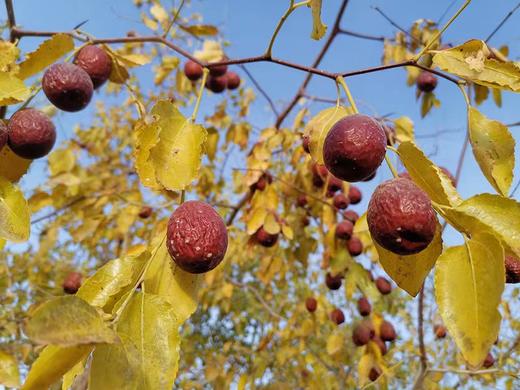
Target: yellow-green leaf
{"x":404,"y":130}
{"x":52,"y":363}
{"x":14,"y":213}
{"x":409,"y":272}
{"x":494,"y":149}
{"x":9,"y":375}
{"x":319,"y":126}
{"x":318,"y":28}
{"x":12,"y":167}
{"x":47,"y":54}
{"x":472,"y":61}
{"x":469,"y":281}
{"x":12,"y":89}
{"x":427,"y":175}
{"x":68,"y":321}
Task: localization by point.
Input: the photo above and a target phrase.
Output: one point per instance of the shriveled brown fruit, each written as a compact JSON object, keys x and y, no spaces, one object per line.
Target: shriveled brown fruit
{"x":301,"y":200}
{"x":265,"y":239}
{"x":381,"y":344}
{"x":364,"y":306}
{"x":306,"y":144}
{"x":354,"y":194}
{"x":426,"y":82}
{"x":233,"y":80}
{"x":374,"y":374}
{"x":96,"y":62}
{"x":354,"y":246}
{"x":512,"y":265}
{"x":337,"y":316}
{"x":440,"y":331}
{"x":363,"y":332}
{"x":67,"y":86}
{"x":319,"y":174}
{"x":193,"y":71}
{"x":197,"y":237}
{"x":311,"y":304}
{"x":72,"y":282}
{"x":145,"y":212}
{"x":344,"y":230}
{"x":400,"y":217}
{"x":383,"y":285}
{"x":489,"y":361}
{"x":31,"y":134}
{"x":351,"y":215}
{"x":131,"y":34}
{"x":217,"y":71}
{"x":335,"y":184}
{"x":333,"y":282}
{"x":354,"y":147}
{"x":306,"y":221}
{"x":387,"y":331}
{"x":216,"y":84}
{"x":262,"y":182}
{"x":340,"y":201}
{"x":3,"y":134}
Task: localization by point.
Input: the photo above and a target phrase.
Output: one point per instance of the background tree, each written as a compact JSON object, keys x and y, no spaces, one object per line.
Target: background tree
{"x":104,"y":292}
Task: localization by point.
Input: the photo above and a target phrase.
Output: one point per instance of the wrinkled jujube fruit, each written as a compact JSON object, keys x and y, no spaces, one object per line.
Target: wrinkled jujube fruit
{"x":337,"y":316}
{"x":426,"y":82}
{"x":335,"y":184}
{"x":364,"y":306}
{"x":233,"y":80}
{"x":67,"y":86}
{"x":217,"y":71}
{"x":301,"y":201}
{"x":197,"y":237}
{"x":31,"y":134}
{"x":262,"y":182}
{"x":311,"y":304}
{"x":265,"y":239}
{"x":400,"y":217}
{"x":489,"y":361}
{"x":145,"y":212}
{"x":354,"y":194}
{"x":306,"y":221}
{"x":363,"y":333}
{"x":383,"y":285}
{"x":351,"y":215}
{"x":96,"y":62}
{"x":216,"y":84}
{"x":440,"y":331}
{"x":354,"y":147}
{"x":3,"y":134}
{"x":374,"y":374}
{"x":333,"y":282}
{"x":344,"y":230}
{"x":193,"y":71}
{"x":72,"y":282}
{"x":512,"y":265}
{"x":387,"y":331}
{"x":354,"y":246}
{"x":340,"y":201}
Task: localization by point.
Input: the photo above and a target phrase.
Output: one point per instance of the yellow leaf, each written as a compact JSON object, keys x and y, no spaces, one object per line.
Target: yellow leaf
{"x":211,"y":144}
{"x":409,"y":272}
{"x":211,"y":52}
{"x":14,"y":213}
{"x":287,"y":232}
{"x":146,"y":137}
{"x":12,"y":167}
{"x":12,"y":89}
{"x":318,"y":28}
{"x":335,"y":343}
{"x":319,"y":126}
{"x":118,"y":73}
{"x":427,"y":175}
{"x":52,"y":363}
{"x":271,"y":225}
{"x":365,"y":365}
{"x":148,"y":356}
{"x":68,"y":321}
{"x":47,"y":54}
{"x":472,"y":61}
{"x":494,"y":149}
{"x":200,"y":29}
{"x":469,"y":281}
{"x":256,"y":220}
{"x":159,"y":13}
{"x":132,"y":60}
{"x":61,"y":161}
{"x":8,"y":55}
{"x":404,"y":129}
{"x":70,"y":376}
{"x":9,"y":375}
{"x":171,"y":283}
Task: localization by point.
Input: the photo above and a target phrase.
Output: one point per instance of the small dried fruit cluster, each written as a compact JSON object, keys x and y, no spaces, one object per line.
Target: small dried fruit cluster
{"x":219,"y":77}
{"x":30,"y":133}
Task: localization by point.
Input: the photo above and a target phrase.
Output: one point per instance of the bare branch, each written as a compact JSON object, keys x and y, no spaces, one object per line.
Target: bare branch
{"x":260,"y":89}
{"x":510,"y":13}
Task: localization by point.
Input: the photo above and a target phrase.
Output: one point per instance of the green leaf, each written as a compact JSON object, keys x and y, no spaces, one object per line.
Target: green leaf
{"x":174,"y":285}
{"x":318,"y":28}
{"x":47,"y":54}
{"x":9,"y":375}
{"x":68,"y":321}
{"x":169,"y":150}
{"x":409,"y":272}
{"x":494,"y":149}
{"x":472,"y":61}
{"x":469,"y":281}
{"x":427,"y":175}
{"x":14,"y":213}
{"x":319,"y":126}
{"x":148,"y":355}
{"x":12,"y":89}
{"x":52,"y":363}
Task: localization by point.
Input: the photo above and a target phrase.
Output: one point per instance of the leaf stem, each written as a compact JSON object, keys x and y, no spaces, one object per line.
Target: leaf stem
{"x":199,"y":97}
{"x":342,"y":82}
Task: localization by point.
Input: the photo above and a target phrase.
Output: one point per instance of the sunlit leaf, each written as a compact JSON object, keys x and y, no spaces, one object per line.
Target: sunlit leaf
{"x":12,"y":167}
{"x":9,"y":375}
{"x":404,"y":129}
{"x":14,"y":213}
{"x":12,"y":89}
{"x":318,"y":28}
{"x":211,"y":52}
{"x":201,"y":29}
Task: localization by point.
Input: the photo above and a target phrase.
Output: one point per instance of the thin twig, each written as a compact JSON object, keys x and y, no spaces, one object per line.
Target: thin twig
{"x":364,"y":36}
{"x":260,"y":89}
{"x":504,"y":20}
{"x":380,"y":11}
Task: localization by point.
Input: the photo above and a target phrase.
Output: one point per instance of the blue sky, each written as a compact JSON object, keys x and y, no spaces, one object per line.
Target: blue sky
{"x":247,"y":25}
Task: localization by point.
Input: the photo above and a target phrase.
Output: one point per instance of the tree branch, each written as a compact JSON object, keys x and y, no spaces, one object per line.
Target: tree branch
{"x":260,"y":89}
{"x":502,"y":22}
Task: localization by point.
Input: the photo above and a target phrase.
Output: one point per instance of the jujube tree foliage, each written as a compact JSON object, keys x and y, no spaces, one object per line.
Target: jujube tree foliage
{"x":151,"y":263}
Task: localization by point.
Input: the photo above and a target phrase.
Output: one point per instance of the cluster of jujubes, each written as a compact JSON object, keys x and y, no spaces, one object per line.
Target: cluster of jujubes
{"x":219,"y":78}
